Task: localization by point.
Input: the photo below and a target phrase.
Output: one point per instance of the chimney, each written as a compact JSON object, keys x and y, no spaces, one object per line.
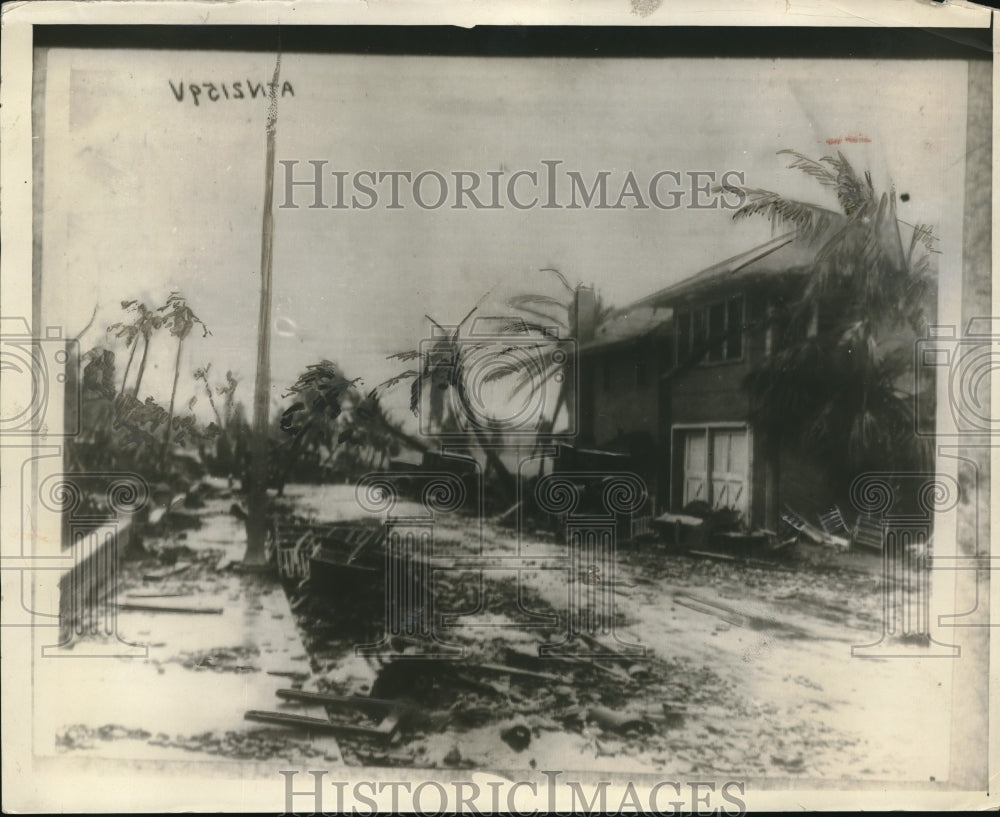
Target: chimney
{"x":585,"y":313}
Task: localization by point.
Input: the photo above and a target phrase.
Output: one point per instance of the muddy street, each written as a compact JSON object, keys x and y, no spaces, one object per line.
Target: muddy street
{"x":714,"y":666}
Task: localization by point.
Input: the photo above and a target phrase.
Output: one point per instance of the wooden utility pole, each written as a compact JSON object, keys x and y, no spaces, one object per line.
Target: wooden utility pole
{"x":257,"y":505}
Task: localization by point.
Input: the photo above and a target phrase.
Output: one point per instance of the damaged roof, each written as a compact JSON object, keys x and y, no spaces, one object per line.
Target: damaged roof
{"x":651,"y":316}
{"x":629,"y":325}
{"x":780,"y":256}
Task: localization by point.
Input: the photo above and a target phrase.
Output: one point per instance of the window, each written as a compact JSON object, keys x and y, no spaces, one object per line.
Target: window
{"x":713,"y":332}
{"x":641,"y":377}
{"x":717,"y":331}
{"x":734,"y":328}
{"x":698,"y":332}
{"x":683,"y":337}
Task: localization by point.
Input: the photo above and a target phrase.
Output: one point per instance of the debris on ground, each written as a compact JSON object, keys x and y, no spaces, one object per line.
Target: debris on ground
{"x":222,"y":659}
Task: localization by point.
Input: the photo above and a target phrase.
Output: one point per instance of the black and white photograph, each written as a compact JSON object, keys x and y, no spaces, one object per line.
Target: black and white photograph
{"x":497,"y":417}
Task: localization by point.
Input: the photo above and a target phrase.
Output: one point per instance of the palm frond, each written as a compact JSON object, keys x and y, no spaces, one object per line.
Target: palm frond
{"x":812,"y":220}
{"x":852,"y":192}
{"x":561,"y":277}
{"x":411,"y":354}
{"x":394,"y":380}
{"x":812,"y":167}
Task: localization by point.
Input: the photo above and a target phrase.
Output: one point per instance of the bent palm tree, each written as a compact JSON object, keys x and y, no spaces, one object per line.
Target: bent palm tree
{"x":834,"y":380}
{"x":560,"y":321}
{"x":447,"y":365}
{"x":141,"y":328}
{"x":180,"y":319}
{"x":330,"y":410}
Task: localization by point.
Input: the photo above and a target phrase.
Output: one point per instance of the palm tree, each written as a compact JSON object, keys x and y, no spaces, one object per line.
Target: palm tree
{"x":330,"y":411}
{"x":559,"y":321}
{"x":834,"y":381}
{"x":147,"y":322}
{"x":445,"y":368}
{"x":201,"y":373}
{"x":180,"y":319}
{"x":370,"y":428}
{"x":321,"y":392}
{"x":130,"y":332}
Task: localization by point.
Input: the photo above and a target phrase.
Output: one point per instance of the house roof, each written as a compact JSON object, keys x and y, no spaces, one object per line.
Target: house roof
{"x":651,"y":316}
{"x":629,"y":325}
{"x":782,"y":255}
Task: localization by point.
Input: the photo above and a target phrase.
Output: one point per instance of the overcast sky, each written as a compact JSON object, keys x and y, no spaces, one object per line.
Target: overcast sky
{"x":144,"y":194}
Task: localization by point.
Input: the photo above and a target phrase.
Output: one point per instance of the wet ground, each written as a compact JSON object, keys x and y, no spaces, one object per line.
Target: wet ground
{"x":714,"y":666}
{"x":747,"y":668}
{"x":229,"y":644}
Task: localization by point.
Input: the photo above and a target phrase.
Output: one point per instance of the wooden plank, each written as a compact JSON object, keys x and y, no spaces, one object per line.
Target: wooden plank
{"x":503,"y":668}
{"x":356,"y":701}
{"x":725,"y":557}
{"x":158,"y":575}
{"x":131,"y":596}
{"x":151,"y":608}
{"x":383,"y":731}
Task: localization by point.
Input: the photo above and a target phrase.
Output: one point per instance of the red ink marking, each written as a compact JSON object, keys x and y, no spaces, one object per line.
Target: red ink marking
{"x":854,"y":139}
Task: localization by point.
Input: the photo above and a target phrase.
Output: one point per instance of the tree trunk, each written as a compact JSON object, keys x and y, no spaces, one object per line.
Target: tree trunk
{"x":508,"y":484}
{"x":403,"y":437}
{"x":169,"y":433}
{"x":211,"y":401}
{"x":142,"y":367}
{"x":128,"y":366}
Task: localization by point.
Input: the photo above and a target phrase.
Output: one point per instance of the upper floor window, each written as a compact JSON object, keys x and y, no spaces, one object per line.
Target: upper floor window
{"x":641,"y":372}
{"x":713,"y":332}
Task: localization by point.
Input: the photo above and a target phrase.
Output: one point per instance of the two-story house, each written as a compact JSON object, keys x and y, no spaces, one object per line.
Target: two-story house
{"x":663,"y":381}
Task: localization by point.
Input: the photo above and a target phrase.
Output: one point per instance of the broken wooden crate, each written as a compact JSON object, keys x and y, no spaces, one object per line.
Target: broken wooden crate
{"x":298,"y":543}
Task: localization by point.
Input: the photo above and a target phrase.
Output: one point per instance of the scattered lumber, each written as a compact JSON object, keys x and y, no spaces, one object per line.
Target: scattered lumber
{"x":293,"y":674}
{"x":708,"y":554}
{"x":154,"y":608}
{"x":509,"y":670}
{"x":607,"y":653}
{"x":385,"y":730}
{"x":348,"y":701}
{"x":173,"y":570}
{"x":131,"y":596}
{"x":507,"y":514}
{"x":819,"y":537}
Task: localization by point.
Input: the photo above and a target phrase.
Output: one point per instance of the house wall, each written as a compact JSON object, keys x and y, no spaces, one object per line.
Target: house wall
{"x":617,"y":410}
{"x":621,"y":405}
{"x":708,"y":394}
{"x":712,"y":393}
